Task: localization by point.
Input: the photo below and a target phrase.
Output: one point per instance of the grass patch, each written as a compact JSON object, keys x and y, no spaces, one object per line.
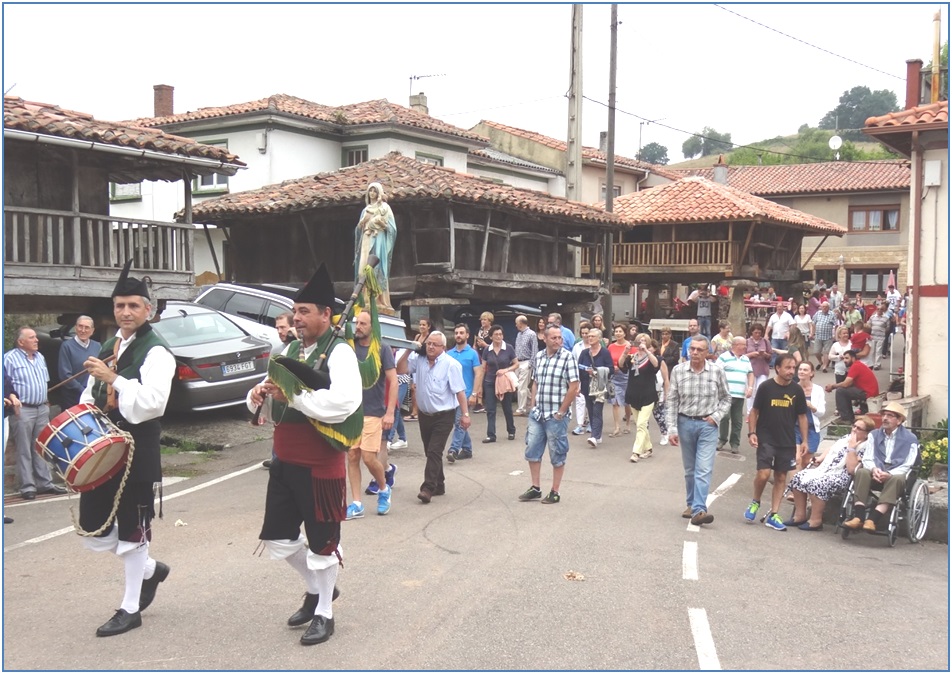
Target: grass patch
{"x":173,"y":445}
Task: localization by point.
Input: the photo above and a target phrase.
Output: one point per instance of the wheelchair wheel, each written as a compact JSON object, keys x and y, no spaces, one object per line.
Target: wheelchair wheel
{"x":917,"y":511}
{"x":892,"y":527}
{"x":846,"y":512}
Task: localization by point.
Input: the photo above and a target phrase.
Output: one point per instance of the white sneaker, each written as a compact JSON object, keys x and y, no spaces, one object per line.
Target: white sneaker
{"x":397,"y":444}
{"x":664,"y":439}
{"x":592,"y":442}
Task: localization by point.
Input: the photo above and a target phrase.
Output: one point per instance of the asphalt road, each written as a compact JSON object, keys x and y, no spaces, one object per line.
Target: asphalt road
{"x":478,"y":580}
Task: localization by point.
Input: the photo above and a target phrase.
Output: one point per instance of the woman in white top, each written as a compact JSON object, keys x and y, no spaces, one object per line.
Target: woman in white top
{"x":816,"y":403}
{"x":805,"y":323}
{"x":839,"y":347}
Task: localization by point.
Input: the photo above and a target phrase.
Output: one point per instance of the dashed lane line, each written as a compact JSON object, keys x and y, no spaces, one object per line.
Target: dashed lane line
{"x":720,"y":491}
{"x":703,"y":641}
{"x":689,"y":561}
{"x":168,"y":497}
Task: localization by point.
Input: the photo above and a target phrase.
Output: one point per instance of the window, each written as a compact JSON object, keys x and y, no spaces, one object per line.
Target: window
{"x":216,"y":182}
{"x":615,"y":193}
{"x":431,"y":159}
{"x":874,"y":219}
{"x":245,"y":306}
{"x":354,"y":155}
{"x":867,"y":281}
{"x":125,"y":191}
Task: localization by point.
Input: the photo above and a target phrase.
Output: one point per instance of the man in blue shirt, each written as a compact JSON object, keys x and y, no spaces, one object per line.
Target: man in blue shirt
{"x":26,"y":368}
{"x":72,"y":354}
{"x":568,"y":339}
{"x":461,"y":445}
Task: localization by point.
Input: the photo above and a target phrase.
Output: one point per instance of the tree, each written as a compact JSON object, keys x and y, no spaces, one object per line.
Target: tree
{"x":705,"y":143}
{"x":856,"y":106}
{"x":811,"y":145}
{"x":653,"y":153}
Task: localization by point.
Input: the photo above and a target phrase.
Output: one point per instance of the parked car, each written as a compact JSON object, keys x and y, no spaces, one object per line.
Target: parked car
{"x":263,"y":302}
{"x":504,"y":316}
{"x":217,"y":362}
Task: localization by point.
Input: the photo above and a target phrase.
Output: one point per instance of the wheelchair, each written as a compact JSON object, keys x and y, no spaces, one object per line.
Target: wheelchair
{"x":911,"y":509}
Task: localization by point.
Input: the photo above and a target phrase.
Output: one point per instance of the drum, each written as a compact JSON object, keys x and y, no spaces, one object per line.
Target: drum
{"x":85,"y":447}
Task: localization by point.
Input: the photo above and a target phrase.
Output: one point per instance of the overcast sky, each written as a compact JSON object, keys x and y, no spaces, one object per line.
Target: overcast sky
{"x":688,"y":66}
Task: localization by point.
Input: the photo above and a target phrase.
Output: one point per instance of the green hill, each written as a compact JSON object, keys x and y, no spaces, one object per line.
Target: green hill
{"x":785,"y":144}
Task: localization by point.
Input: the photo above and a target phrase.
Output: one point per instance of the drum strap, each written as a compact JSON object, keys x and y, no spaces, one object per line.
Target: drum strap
{"x":111,"y":402}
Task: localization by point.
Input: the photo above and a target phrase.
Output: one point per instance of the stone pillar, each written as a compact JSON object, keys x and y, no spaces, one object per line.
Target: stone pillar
{"x":737,"y":315}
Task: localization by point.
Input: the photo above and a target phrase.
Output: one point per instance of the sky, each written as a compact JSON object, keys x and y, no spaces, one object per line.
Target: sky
{"x":681,"y":67}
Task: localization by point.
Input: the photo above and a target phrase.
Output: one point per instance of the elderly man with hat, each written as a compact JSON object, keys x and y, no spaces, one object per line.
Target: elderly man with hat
{"x":314,"y":425}
{"x":890,"y":453}
{"x":133,"y":390}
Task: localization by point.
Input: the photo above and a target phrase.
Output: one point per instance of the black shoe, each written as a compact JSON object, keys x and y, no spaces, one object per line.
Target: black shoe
{"x":7,"y":520}
{"x":54,"y":489}
{"x":28,"y":495}
{"x":451,"y":456}
{"x":119,"y":623}
{"x":424,"y":496}
{"x":150,"y":585}
{"x":305,"y":614}
{"x":266,"y":463}
{"x":488,"y":440}
{"x":512,"y":436}
{"x":440,"y":491}
{"x":319,"y":631}
{"x":465,"y":454}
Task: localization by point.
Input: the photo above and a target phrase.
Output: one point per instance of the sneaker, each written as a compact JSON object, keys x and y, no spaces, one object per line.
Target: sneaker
{"x":551,"y":497}
{"x":721,"y":446}
{"x":588,"y":428}
{"x":464,"y":454}
{"x":530,"y":494}
{"x":751,"y":513}
{"x":397,"y":444}
{"x":592,"y":442}
{"x":775,"y":522}
{"x":664,"y":438}
{"x":383,"y":501}
{"x":735,"y":450}
{"x":701,"y":517}
{"x":355,"y":511}
{"x":452,"y":455}
{"x":372,"y":489}
{"x":390,"y":474}
{"x":634,"y":458}
{"x":578,"y":430}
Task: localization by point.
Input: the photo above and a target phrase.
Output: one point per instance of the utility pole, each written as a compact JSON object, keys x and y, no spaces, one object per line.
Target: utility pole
{"x":573,"y":168}
{"x":608,"y":239}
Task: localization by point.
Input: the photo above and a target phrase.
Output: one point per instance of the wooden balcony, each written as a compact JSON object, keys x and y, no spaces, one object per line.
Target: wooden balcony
{"x":709,"y":257}
{"x":61,"y":254}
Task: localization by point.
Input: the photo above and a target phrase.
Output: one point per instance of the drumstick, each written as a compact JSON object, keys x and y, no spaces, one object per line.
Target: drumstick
{"x":78,"y":374}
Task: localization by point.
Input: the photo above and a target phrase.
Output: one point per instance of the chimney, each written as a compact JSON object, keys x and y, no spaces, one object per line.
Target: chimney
{"x":720,"y":171}
{"x":163,"y":100}
{"x":418,"y":103}
{"x":913,"y":82}
{"x":603,"y":141}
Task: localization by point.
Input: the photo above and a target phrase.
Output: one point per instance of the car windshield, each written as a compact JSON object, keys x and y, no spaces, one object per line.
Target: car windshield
{"x":194,"y":329}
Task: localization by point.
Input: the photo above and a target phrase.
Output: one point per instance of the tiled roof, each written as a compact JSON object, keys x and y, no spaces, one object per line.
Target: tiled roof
{"x":52,"y":120}
{"x":822,"y":177}
{"x":404,"y":180}
{"x":933,"y":113}
{"x":379,"y":111}
{"x":590,"y":153}
{"x":500,"y":157}
{"x":701,"y":200}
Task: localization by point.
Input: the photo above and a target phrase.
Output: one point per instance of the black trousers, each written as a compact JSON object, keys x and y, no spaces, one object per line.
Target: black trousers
{"x":435,"y":430}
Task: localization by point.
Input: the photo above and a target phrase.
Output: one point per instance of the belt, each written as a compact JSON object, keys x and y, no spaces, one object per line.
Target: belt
{"x":688,"y":416}
{"x":436,"y":414}
{"x":32,"y":405}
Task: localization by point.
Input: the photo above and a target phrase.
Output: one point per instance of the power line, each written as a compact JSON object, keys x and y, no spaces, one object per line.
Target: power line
{"x":809,"y":44}
{"x":810,"y":160}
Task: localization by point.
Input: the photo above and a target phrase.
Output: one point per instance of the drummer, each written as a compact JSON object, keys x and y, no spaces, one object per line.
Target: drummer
{"x":133,"y":391}
{"x":307,"y":478}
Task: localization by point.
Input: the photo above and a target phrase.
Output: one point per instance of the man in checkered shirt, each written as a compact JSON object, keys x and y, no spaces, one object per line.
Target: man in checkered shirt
{"x":554,"y":387}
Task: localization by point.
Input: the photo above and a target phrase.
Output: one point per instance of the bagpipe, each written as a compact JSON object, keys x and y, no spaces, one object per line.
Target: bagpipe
{"x":293,"y":377}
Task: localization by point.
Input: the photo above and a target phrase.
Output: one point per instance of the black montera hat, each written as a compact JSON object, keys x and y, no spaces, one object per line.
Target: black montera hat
{"x":319,"y":290}
{"x":128,"y":285}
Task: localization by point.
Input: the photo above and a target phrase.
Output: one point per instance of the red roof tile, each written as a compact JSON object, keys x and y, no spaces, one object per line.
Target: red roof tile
{"x":52,"y":120}
{"x":933,"y":113}
{"x":822,"y":177}
{"x":590,"y":153}
{"x":404,"y":180}
{"x":379,"y":111}
{"x":701,"y":200}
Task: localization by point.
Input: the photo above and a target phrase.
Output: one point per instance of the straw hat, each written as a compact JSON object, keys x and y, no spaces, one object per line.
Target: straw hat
{"x":895,"y":408}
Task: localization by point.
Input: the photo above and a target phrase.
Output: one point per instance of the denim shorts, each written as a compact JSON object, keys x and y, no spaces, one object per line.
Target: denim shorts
{"x":552,"y":431}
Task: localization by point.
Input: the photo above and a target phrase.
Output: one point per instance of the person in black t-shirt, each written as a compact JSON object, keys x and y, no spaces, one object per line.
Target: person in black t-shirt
{"x":778,"y":405}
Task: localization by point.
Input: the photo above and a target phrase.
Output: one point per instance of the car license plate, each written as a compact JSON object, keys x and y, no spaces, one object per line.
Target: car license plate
{"x":235,"y":368}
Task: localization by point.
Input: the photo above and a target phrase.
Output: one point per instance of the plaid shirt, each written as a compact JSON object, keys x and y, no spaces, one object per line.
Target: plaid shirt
{"x":697,"y":394}
{"x":526,"y":345}
{"x":552,"y":375}
{"x":824,"y":325}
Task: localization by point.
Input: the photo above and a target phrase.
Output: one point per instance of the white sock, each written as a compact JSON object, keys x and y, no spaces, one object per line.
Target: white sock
{"x":149,"y":568}
{"x":358,"y":503}
{"x":326,"y":579}
{"x":135,"y":568}
{"x":298,"y":562}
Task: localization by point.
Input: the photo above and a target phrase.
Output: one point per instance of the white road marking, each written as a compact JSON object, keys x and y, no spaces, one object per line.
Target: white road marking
{"x":689,"y":561}
{"x":167,"y":497}
{"x":703,"y":641}
{"x":720,"y":491}
{"x":166,"y":481}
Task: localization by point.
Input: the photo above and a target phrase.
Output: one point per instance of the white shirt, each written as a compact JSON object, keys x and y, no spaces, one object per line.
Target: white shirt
{"x":779,"y":325}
